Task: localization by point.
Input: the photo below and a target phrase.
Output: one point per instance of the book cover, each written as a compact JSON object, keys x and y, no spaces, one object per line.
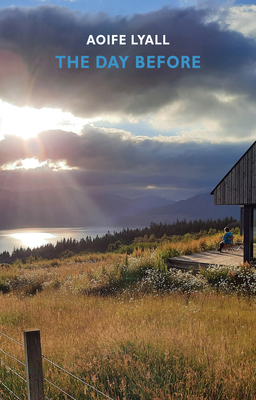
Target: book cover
{"x":115,"y":114}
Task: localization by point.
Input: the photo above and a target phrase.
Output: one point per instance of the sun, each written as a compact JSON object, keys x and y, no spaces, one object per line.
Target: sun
{"x":27,"y":122}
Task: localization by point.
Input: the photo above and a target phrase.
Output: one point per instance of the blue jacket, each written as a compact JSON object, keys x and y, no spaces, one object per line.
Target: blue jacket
{"x":227,"y":238}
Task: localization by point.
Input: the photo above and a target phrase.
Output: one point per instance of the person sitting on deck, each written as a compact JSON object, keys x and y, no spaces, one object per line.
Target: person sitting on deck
{"x":226,"y":239}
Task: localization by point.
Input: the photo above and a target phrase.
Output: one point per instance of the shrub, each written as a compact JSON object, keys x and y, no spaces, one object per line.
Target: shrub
{"x":241,"y":280}
{"x":172,"y":281}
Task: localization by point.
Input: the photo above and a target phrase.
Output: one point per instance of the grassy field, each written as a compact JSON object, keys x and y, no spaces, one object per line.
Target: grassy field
{"x":131,"y":329}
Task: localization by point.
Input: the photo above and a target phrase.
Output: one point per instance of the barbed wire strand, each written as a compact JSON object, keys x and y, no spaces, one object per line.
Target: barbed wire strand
{"x":11,"y":339}
{"x":59,"y":389}
{"x":47,"y":398}
{"x":67,"y":372}
{"x":16,"y":373}
{"x":10,"y":390}
{"x":76,"y":377}
{"x":9,"y":355}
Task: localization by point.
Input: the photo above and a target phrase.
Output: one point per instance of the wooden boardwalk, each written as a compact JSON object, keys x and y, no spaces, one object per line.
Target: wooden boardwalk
{"x":207,"y":258}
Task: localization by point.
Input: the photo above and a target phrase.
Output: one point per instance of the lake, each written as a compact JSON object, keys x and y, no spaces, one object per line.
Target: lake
{"x":36,"y":237}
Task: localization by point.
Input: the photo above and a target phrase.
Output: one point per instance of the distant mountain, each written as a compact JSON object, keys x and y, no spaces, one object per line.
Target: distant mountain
{"x":67,"y":207}
{"x":149,"y":202}
{"x":13,"y":215}
{"x":62,"y":207}
{"x":197,"y":207}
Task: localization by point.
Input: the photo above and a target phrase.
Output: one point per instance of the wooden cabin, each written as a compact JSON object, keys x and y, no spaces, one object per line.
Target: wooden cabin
{"x":239,"y":187}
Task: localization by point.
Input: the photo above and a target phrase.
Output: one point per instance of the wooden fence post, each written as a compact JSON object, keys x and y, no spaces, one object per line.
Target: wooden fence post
{"x":34,"y":368}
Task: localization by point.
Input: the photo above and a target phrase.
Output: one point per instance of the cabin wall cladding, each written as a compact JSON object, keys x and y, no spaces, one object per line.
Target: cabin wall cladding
{"x":239,"y":185}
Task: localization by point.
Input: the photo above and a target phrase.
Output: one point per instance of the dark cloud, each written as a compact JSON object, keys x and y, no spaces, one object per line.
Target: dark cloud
{"x":218,"y":101}
{"x":31,"y":38}
{"x":114,"y":161}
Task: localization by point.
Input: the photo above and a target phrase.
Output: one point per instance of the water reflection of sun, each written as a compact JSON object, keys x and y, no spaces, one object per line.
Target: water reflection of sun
{"x":32,"y":239}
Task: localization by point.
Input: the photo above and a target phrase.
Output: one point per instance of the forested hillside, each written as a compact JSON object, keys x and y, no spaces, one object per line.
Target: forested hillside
{"x":124,"y":240}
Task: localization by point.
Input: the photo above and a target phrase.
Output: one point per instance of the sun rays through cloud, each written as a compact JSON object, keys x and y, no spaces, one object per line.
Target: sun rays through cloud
{"x":117,"y":130}
{"x":32,"y":163}
{"x":27,"y":122}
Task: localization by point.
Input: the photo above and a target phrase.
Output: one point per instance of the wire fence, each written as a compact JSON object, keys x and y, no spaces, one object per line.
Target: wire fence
{"x":9,"y":368}
{"x":10,"y":391}
{"x":76,"y":377}
{"x":27,"y":366}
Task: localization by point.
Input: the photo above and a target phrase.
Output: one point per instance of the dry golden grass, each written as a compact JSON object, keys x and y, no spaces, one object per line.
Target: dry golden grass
{"x":195,"y":246}
{"x":208,"y":344}
{"x":131,"y":346}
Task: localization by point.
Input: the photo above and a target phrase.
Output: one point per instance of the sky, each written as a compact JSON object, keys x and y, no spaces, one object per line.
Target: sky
{"x":156,"y":130}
